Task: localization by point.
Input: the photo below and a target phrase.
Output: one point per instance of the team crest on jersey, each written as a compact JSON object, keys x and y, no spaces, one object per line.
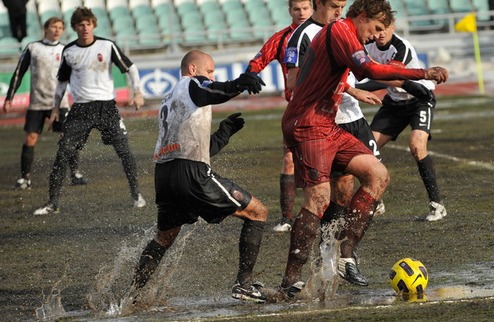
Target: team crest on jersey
{"x":360,"y":57}
{"x":100,"y":58}
{"x":291,"y":55}
{"x":57,"y":57}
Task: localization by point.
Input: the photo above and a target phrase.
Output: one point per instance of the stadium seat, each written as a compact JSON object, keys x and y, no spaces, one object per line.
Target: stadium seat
{"x":111,"y":4}
{"x":92,"y":4}
{"x":147,"y":23}
{"x":482,"y":8}
{"x":116,"y":11}
{"x":68,"y":6}
{"x":208,"y":6}
{"x":460,"y":5}
{"x":49,"y":5}
{"x":185,"y":6}
{"x":28,"y":39}
{"x":229,"y":5}
{"x":9,"y":46}
{"x":213,"y":18}
{"x":438,"y":6}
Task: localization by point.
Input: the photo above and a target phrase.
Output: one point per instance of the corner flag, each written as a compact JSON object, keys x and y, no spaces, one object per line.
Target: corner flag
{"x":467,"y":24}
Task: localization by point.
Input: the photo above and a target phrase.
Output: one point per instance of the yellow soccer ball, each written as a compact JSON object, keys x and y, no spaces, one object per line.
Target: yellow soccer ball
{"x":409,"y":276}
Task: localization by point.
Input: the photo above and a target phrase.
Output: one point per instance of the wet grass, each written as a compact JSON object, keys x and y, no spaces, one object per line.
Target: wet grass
{"x":97,"y":220}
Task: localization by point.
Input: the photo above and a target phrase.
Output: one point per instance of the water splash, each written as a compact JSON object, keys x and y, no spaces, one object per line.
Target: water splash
{"x":52,"y":307}
{"x":323,"y":282}
{"x":113,"y":296}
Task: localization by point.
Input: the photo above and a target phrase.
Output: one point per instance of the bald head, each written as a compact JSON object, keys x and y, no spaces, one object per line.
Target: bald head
{"x":197,"y":63}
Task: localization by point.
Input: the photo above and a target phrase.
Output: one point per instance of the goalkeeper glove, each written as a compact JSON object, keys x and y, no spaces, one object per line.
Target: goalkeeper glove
{"x":418,"y":90}
{"x":250,"y":82}
{"x":232,"y":124}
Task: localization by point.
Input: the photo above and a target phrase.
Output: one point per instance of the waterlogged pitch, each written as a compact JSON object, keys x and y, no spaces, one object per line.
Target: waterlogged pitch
{"x":78,"y":264}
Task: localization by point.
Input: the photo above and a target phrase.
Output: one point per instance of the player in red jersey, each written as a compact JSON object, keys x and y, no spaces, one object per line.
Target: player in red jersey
{"x":318,"y":144}
{"x":274,"y":49}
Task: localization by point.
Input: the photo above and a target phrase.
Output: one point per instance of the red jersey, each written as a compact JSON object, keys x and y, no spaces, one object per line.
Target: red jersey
{"x":274,"y":48}
{"x":321,"y":81}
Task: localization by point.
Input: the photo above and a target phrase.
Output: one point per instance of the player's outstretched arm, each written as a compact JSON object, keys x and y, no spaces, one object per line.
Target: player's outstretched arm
{"x":250,"y":82}
{"x":438,"y":74}
{"x":364,"y":96}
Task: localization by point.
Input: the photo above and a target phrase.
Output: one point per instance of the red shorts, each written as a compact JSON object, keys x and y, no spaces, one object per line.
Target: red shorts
{"x":315,"y":159}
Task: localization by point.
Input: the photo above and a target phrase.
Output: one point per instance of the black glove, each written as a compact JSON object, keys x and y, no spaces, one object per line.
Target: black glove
{"x":250,"y":82}
{"x":232,"y":124}
{"x":418,"y":90}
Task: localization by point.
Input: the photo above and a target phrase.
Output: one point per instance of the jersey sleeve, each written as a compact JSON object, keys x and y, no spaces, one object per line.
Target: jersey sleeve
{"x":348,"y":51}
{"x":204,"y":91}
{"x":268,"y":52}
{"x":64,"y":70}
{"x":120,"y":59}
{"x":20,"y":70}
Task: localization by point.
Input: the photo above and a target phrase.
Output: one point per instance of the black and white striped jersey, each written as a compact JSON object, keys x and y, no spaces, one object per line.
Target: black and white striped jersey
{"x":43,"y":58}
{"x":400,"y":52}
{"x":88,"y":69}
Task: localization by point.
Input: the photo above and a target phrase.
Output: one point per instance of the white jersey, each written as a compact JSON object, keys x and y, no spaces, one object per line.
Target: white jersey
{"x":88,"y":69}
{"x":43,"y":58}
{"x":398,"y":50}
{"x":298,"y":44}
{"x":184,"y":128}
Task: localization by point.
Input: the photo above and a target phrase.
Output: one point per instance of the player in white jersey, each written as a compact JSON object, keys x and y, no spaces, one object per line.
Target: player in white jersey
{"x":42,"y":58}
{"x":400,"y":109}
{"x":349,"y":116}
{"x":186,"y":186}
{"x":86,"y":64}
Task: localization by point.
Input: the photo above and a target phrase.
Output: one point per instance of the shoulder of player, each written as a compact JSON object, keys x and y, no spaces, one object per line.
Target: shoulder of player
{"x":400,"y":42}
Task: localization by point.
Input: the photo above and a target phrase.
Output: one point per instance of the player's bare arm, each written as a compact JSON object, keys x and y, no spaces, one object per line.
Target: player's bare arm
{"x":7,"y":105}
{"x":55,"y":112}
{"x":291,"y":78}
{"x":364,"y":96}
{"x":136,"y":98}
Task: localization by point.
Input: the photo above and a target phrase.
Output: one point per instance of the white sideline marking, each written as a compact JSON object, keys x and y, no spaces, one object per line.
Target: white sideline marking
{"x":479,"y":164}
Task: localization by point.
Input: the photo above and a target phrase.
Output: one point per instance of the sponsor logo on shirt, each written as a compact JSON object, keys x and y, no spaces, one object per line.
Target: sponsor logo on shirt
{"x":291,"y":55}
{"x":360,"y":57}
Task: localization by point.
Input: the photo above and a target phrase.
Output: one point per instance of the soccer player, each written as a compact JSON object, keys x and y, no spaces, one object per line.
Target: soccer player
{"x":400,"y":109}
{"x":86,"y":64}
{"x":43,"y":58}
{"x":274,"y":49}
{"x":186,"y":186}
{"x":319,"y":145}
{"x":349,"y":116}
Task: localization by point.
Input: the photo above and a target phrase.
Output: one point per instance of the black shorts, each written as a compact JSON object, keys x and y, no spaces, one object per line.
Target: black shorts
{"x":83,"y":117}
{"x":187,"y":190}
{"x":35,"y":120}
{"x":362,"y":131}
{"x":393,"y":117}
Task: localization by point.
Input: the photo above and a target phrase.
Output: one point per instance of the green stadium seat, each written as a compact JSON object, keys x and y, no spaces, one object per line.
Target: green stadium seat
{"x":208,"y":6}
{"x":482,"y":8}
{"x":460,"y":5}
{"x":438,"y":6}
{"x":9,"y":46}
{"x":213,"y":18}
{"x":229,"y":5}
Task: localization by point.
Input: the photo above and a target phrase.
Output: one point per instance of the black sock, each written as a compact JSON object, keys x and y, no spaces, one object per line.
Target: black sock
{"x":150,"y":258}
{"x":428,"y":174}
{"x":248,"y":246}
{"x":27,"y":157}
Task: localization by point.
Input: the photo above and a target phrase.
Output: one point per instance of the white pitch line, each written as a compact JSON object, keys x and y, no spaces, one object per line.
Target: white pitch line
{"x":479,"y":164}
